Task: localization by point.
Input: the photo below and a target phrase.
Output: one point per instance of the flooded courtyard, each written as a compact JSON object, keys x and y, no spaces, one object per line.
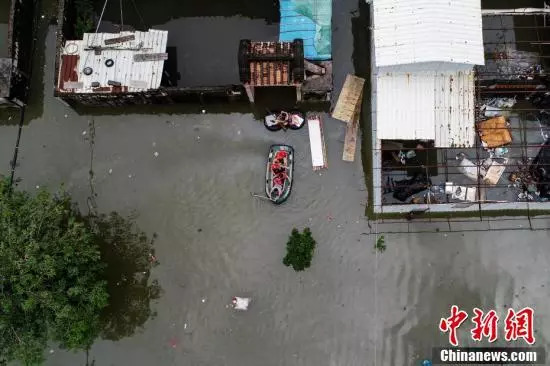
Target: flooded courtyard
{"x":188,"y":180}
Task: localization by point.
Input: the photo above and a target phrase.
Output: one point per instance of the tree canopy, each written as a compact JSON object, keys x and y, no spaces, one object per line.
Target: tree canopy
{"x":51,"y":276}
{"x":299,"y":249}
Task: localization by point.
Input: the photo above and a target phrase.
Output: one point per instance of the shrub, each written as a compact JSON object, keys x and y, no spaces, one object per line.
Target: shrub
{"x":299,"y":250}
{"x":380,"y":244}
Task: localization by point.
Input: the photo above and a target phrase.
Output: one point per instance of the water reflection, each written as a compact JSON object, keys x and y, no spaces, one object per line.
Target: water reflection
{"x":129,"y":256}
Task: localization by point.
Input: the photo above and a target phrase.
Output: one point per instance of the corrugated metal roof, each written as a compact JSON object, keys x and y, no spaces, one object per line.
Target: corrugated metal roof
{"x":68,"y":71}
{"x":132,"y":75}
{"x":435,"y":106}
{"x":412,"y":31}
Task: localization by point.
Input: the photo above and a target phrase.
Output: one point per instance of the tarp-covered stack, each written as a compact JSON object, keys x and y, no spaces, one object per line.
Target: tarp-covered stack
{"x":309,"y":20}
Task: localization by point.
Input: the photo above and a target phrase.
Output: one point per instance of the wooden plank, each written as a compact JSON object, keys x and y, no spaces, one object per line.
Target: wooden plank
{"x":314,"y":69}
{"x":349,"y":99}
{"x":143,"y":57}
{"x":350,"y":141}
{"x":122,"y":39}
{"x":352,"y":128}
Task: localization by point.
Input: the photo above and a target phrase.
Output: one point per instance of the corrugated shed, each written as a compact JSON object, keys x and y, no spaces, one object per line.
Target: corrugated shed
{"x":132,"y":75}
{"x":412,"y":31}
{"x":435,"y":106}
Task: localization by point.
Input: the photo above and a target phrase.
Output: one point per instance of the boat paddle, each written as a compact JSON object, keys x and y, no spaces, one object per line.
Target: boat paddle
{"x":259,"y":196}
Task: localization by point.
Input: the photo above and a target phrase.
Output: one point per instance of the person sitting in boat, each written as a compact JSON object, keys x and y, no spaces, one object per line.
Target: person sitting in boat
{"x":281,"y":154}
{"x":284,"y":116}
{"x":275,"y":192}
{"x":279,"y":164}
{"x":279,"y":179}
{"x":281,"y":158}
{"x":277,"y":168}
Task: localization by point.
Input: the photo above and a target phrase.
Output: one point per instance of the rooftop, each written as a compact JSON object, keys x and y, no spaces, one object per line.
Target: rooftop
{"x":435,"y":106}
{"x":271,"y":63}
{"x":407,"y":32}
{"x":113,"y":62}
{"x":507,"y":164}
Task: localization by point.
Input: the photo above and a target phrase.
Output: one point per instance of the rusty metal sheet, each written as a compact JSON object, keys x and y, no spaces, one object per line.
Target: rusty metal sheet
{"x":144,"y":57}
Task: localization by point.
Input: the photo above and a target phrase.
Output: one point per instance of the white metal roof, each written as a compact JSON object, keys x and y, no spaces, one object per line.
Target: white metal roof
{"x":412,"y":31}
{"x":435,"y":106}
{"x":133,"y":76}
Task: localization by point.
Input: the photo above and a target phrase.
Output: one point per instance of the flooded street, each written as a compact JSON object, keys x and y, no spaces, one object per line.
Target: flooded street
{"x":189,"y":178}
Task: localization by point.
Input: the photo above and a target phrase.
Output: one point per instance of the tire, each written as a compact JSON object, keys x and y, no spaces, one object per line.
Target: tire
{"x":292,"y":127}
{"x":273,"y":128}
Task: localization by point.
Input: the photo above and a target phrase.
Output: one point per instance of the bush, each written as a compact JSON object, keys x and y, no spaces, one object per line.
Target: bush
{"x":299,"y":250}
{"x":380,"y":244}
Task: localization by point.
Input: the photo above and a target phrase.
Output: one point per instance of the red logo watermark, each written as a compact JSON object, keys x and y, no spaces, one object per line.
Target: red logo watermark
{"x":516,"y":325}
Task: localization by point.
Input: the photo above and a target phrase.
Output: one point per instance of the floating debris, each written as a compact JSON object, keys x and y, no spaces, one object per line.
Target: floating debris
{"x":240,"y":303}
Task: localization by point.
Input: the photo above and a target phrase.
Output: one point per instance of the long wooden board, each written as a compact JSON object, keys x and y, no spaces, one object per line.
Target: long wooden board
{"x":349,"y":99}
{"x":350,"y":141}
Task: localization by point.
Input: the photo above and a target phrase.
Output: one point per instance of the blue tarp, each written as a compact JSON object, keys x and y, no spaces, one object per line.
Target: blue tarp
{"x":309,"y":20}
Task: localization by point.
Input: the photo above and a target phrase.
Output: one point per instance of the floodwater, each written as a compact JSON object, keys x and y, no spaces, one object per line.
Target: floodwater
{"x":188,"y":179}
{"x":4,"y":19}
{"x":203,"y":36}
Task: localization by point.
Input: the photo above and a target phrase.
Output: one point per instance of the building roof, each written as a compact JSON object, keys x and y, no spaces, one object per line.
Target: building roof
{"x":137,"y":62}
{"x":271,"y":63}
{"x":414,"y":31}
{"x":435,"y":106}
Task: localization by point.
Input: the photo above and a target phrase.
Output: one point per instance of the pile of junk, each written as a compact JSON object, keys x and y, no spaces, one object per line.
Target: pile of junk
{"x":530,"y":176}
{"x":412,"y":157}
{"x":529,"y":179}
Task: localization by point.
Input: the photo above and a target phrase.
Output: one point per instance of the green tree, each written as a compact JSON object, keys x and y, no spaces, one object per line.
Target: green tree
{"x":51,"y":276}
{"x":84,"y":17}
{"x":299,"y":250}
